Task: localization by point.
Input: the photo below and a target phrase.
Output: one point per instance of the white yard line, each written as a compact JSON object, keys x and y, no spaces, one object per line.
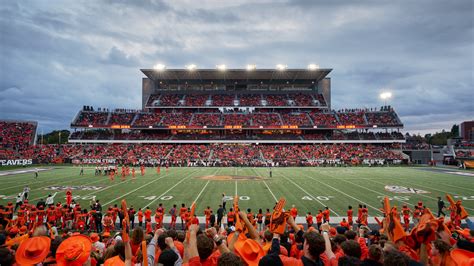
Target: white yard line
{"x":308,"y":194}
{"x":103,"y":189}
{"x":140,"y":187}
{"x":273,"y":195}
{"x":458,"y":187}
{"x":428,"y":197}
{"x":79,"y":185}
{"x":38,"y":182}
{"x":359,"y":201}
{"x":164,"y":193}
{"x":202,"y":190}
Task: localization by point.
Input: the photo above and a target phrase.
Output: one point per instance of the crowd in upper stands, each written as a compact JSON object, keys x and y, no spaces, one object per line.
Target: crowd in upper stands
{"x":298,"y":99}
{"x":259,"y":117}
{"x":16,"y":136}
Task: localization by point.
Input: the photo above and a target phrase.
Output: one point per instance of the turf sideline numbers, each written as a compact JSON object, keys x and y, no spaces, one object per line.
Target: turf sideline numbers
{"x":325,"y":198}
{"x":230,"y":198}
{"x":154,"y":197}
{"x":464,"y":197}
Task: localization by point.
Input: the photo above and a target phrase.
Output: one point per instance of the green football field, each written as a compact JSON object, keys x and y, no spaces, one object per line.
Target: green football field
{"x":310,"y":189}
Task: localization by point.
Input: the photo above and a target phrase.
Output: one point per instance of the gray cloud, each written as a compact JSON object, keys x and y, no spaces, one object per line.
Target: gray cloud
{"x":56,"y":56}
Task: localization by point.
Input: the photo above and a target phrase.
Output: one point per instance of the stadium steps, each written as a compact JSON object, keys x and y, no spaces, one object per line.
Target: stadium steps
{"x":337,"y":118}
{"x":134,"y":118}
{"x":211,"y":153}
{"x":191,"y":120}
{"x":310,"y":119}
{"x":281,"y":118}
{"x":76,"y":117}
{"x":261,"y":155}
{"x":109,"y":115}
{"x":365,"y":119}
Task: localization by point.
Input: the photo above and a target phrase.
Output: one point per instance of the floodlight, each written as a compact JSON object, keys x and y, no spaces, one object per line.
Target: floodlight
{"x":221,"y":67}
{"x":251,"y":67}
{"x":191,"y":67}
{"x":159,"y":67}
{"x":281,"y":67}
{"x":313,"y":67}
{"x":385,"y":95}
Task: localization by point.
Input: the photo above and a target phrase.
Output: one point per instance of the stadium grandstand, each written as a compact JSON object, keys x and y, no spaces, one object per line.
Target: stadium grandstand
{"x":243,"y":113}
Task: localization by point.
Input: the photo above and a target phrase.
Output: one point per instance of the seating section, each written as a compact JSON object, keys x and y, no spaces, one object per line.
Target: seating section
{"x":251,"y":99}
{"x":16,"y":135}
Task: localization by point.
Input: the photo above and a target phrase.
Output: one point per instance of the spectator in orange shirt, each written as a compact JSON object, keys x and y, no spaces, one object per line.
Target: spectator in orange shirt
{"x":182,"y":215}
{"x":326,"y":215}
{"x":293,"y":211}
{"x":309,"y":219}
{"x":319,"y":219}
{"x":140,"y":217}
{"x":207,"y":214}
{"x":147,"y":215}
{"x":349,"y":215}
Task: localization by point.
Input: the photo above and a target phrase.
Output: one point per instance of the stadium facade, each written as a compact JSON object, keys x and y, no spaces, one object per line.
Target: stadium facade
{"x":237,"y":106}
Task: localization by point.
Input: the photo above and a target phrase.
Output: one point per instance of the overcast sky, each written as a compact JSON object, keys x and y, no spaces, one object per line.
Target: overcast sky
{"x":56,"y":56}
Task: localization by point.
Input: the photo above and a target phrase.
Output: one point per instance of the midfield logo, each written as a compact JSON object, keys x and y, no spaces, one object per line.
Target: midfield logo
{"x":405,"y":190}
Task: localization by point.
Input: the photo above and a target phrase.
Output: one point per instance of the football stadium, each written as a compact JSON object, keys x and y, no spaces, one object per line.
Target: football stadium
{"x":235,"y":166}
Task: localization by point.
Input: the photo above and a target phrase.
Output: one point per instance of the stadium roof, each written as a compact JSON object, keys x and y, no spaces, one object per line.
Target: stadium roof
{"x":180,"y":75}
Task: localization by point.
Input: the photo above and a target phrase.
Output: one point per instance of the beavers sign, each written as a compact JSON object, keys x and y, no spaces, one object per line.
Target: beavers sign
{"x":16,"y":162}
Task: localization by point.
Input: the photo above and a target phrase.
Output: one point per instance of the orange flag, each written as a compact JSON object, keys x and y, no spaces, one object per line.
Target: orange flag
{"x":394,"y":228}
{"x":191,"y":217}
{"x":125,"y":222}
{"x":457,"y":205}
{"x":238,"y":223}
{"x":17,"y":240}
{"x":279,"y":217}
{"x":144,"y":254}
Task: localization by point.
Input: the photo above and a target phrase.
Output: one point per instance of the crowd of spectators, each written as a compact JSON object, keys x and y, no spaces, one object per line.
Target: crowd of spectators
{"x":227,"y":154}
{"x":214,"y":117}
{"x":17,"y":135}
{"x":251,"y":99}
{"x":66,"y":233}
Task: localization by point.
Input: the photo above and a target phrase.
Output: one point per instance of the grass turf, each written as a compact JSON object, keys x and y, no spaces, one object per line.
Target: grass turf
{"x":310,"y":189}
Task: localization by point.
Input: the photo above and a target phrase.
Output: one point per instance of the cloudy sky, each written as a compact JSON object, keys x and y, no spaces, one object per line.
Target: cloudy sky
{"x":56,"y":56}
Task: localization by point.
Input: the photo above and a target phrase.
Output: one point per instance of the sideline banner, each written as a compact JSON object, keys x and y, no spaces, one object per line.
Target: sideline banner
{"x":469,"y":164}
{"x":19,"y":162}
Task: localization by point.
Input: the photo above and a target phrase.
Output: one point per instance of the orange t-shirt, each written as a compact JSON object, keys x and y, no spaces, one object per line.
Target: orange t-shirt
{"x":140,"y":216}
{"x":148,"y":214}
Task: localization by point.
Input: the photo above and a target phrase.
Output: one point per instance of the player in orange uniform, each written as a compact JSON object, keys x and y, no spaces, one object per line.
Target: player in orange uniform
{"x":350,"y":214}
{"x":309,"y":219}
{"x":182,"y":215}
{"x":133,"y":173}
{"x":159,"y":213}
{"x":158,"y":169}
{"x":173,"y":215}
{"x":319,"y":219}
{"x":142,"y":170}
{"x":140,"y":217}
{"x":147,"y":215}
{"x":326,"y":215}
{"x":207,"y":213}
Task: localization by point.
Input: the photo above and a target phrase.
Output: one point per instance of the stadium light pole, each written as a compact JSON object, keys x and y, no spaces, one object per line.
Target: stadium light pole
{"x":385,"y":96}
